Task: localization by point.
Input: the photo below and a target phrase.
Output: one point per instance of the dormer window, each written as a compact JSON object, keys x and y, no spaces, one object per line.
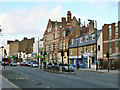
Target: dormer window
{"x":93,"y":37}
{"x":81,"y":40}
{"x":72,"y":41}
{"x":86,"y":38}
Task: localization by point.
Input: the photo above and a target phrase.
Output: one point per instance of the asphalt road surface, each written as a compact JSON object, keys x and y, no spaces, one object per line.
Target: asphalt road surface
{"x":28,"y":77}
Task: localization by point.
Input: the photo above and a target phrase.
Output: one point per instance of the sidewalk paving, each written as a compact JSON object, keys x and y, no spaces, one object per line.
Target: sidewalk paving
{"x":100,"y":70}
{"x":5,"y":83}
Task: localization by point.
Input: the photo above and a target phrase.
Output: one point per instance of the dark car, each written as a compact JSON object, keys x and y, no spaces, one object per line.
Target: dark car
{"x":29,"y":64}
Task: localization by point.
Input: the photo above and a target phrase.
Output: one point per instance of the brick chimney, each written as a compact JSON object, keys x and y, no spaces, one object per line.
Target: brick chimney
{"x":68,"y":17}
{"x":63,"y":19}
{"x":91,"y":27}
{"x":25,"y":38}
{"x":16,"y":40}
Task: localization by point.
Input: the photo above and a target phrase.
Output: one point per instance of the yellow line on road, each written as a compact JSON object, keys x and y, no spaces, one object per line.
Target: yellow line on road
{"x":10,"y":82}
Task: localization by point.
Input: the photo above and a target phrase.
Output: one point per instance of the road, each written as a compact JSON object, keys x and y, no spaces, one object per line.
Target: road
{"x":27,"y":77}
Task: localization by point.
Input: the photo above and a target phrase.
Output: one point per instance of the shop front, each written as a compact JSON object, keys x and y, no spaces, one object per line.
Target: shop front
{"x":87,"y":60}
{"x":74,"y":61}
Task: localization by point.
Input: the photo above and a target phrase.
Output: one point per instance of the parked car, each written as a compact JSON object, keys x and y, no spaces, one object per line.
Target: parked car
{"x":26,"y":63}
{"x":49,"y":65}
{"x":23,"y":64}
{"x":71,"y":68}
{"x":34,"y":64}
{"x":13,"y":64}
{"x":18,"y":63}
{"x":29,"y":64}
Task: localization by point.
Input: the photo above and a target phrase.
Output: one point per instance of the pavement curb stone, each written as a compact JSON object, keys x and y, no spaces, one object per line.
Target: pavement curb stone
{"x":16,"y":87}
{"x":100,"y":71}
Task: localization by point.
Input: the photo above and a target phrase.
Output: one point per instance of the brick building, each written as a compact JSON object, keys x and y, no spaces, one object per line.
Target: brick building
{"x":21,"y":49}
{"x":58,"y":36}
{"x":111,"y":43}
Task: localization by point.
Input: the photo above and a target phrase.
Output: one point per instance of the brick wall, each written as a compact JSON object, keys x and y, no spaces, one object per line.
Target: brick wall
{"x":14,"y":48}
{"x":105,"y":31}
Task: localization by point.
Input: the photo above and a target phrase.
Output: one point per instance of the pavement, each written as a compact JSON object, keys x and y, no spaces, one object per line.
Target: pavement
{"x":100,"y":70}
{"x":5,"y":83}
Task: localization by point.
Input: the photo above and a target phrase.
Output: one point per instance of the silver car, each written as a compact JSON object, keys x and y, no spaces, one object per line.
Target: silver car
{"x":13,"y":64}
{"x":29,"y":63}
{"x":34,"y":64}
{"x":71,"y":68}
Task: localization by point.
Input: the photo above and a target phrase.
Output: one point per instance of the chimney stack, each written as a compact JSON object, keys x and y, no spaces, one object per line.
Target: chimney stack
{"x":63,"y":19}
{"x":91,"y":27}
{"x":68,"y":17}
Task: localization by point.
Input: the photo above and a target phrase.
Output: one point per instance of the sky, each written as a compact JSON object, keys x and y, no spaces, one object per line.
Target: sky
{"x":29,"y":18}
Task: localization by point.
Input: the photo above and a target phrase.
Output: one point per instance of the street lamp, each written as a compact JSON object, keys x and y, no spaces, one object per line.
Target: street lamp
{"x":77,"y":53}
{"x":61,"y":36}
{"x":2,"y":56}
{"x":38,"y":52}
{"x":95,"y":39}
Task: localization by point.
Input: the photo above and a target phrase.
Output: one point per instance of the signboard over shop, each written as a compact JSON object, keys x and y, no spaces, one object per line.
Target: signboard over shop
{"x":87,"y":54}
{"x":49,"y":51}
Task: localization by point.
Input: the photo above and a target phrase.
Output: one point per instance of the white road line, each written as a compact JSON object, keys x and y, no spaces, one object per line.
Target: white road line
{"x":47,"y":87}
{"x":11,"y":83}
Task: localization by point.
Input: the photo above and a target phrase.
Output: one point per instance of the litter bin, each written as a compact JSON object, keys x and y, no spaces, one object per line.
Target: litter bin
{"x":60,"y":69}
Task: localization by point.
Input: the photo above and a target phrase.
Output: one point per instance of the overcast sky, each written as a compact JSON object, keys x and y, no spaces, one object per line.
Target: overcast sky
{"x":29,"y":18}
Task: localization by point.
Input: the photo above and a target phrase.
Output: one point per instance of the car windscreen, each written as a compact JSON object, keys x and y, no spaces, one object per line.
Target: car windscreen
{"x":34,"y":63}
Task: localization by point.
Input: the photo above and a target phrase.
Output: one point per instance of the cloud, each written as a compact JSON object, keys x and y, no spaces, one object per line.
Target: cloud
{"x":25,"y":21}
{"x":21,"y":21}
{"x":55,"y":14}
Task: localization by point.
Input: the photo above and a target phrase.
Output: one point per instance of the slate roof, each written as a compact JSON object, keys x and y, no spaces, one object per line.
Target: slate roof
{"x":84,"y":42}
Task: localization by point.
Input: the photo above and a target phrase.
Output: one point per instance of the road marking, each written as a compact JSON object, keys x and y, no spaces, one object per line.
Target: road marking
{"x":10,"y":82}
{"x":47,"y":87}
{"x":32,"y":80}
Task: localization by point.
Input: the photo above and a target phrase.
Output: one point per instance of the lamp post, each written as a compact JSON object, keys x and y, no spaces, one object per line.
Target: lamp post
{"x":61,"y":36}
{"x":2,"y":56}
{"x":38,"y":51}
{"x":95,"y":39}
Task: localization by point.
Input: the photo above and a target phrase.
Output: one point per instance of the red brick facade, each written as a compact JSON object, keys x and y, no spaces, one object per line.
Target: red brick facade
{"x":113,"y":39}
